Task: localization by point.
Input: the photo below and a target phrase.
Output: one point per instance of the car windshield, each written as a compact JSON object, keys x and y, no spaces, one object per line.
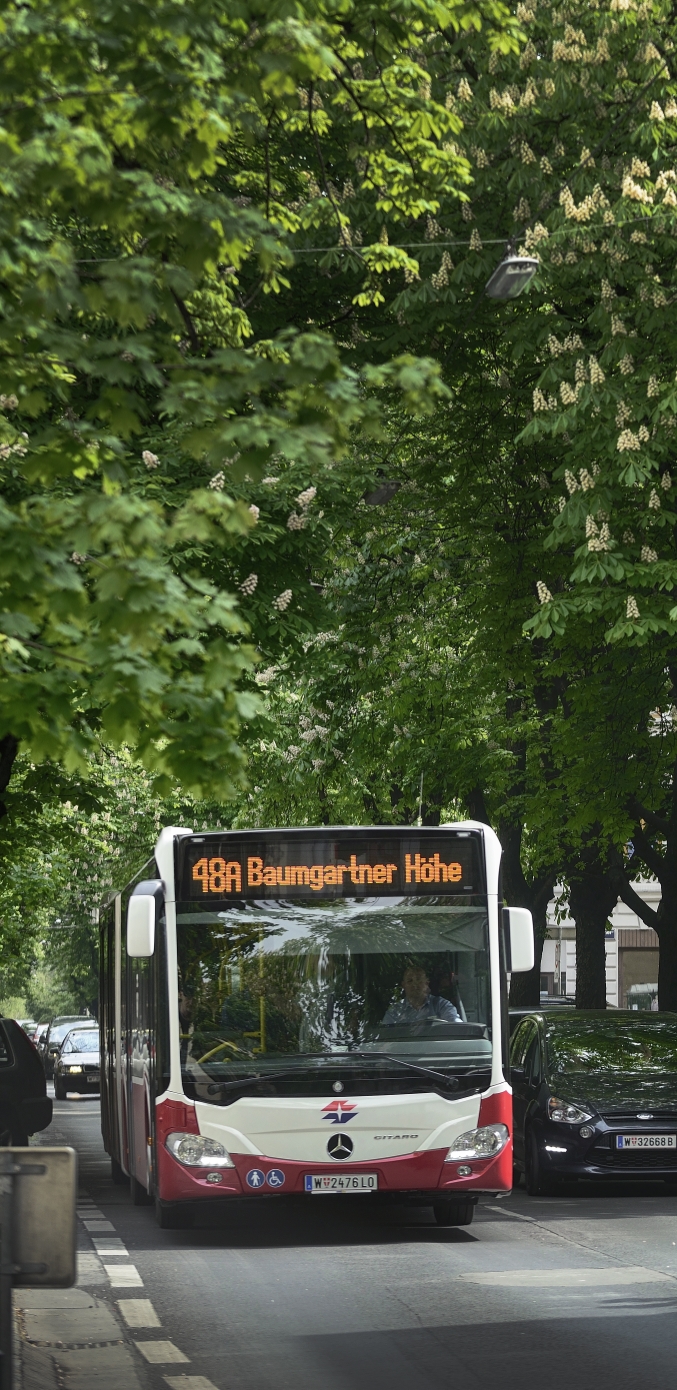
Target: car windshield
{"x":287,"y":984}
{"x":83,"y":1042}
{"x":614,"y":1046}
{"x":59,"y":1030}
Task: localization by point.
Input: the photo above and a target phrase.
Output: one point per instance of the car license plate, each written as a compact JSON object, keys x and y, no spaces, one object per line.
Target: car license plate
{"x":341,"y":1182}
{"x":646,"y":1141}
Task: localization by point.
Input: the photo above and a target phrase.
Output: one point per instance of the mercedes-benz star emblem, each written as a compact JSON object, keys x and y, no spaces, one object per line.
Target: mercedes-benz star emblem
{"x":339,"y":1146}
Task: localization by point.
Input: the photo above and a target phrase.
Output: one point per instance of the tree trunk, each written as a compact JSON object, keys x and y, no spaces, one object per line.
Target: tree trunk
{"x":525,"y":987}
{"x":592,"y":897}
{"x":9,"y":747}
{"x":666,"y":926}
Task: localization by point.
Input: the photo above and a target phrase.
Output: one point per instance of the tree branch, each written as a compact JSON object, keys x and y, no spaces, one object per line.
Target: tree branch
{"x":653,"y":860}
{"x":621,"y":882}
{"x":640,"y":812}
{"x":190,"y":326}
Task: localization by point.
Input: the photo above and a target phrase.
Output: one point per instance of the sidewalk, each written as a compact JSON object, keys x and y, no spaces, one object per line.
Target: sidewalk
{"x":69,"y":1338}
{"x":75,"y":1337}
{"x":98,"y":1333}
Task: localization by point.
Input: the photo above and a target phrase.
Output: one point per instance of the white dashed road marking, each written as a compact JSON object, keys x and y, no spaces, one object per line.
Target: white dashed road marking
{"x":138,"y":1312}
{"x":124,"y":1276}
{"x":189,"y":1383}
{"x":159,"y":1353}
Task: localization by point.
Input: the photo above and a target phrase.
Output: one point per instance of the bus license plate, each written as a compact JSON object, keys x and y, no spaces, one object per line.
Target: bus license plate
{"x":646,"y":1141}
{"x":341,"y":1182}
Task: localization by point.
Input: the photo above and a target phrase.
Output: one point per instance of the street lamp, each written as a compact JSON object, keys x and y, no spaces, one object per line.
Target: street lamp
{"x":511,"y":277}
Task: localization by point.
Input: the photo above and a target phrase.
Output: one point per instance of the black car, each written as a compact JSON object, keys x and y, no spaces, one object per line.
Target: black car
{"x":594,"y":1096}
{"x":24,"y":1104}
{"x":55,"y":1035}
{"x":555,"y":1002}
{"x":77,"y":1066}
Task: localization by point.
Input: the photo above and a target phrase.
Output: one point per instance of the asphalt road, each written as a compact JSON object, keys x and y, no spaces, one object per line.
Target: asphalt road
{"x":327,"y":1293}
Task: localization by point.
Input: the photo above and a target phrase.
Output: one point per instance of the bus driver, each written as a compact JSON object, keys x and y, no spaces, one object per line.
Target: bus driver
{"x":418,"y":1003}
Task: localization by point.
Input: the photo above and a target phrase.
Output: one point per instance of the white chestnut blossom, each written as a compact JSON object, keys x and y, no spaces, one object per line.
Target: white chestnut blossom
{"x":283,"y":600}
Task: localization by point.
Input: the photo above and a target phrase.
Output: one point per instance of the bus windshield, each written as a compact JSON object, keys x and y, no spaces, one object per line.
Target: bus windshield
{"x":267,"y":985}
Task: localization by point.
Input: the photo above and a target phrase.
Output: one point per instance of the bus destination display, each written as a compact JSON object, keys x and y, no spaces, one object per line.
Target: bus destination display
{"x":216,"y":867}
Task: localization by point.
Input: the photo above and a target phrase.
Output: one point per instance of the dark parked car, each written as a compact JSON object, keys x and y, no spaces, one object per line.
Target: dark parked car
{"x":563,"y":1001}
{"x":55,"y":1035}
{"x":77,"y":1066}
{"x":594,"y":1096}
{"x":24,"y":1104}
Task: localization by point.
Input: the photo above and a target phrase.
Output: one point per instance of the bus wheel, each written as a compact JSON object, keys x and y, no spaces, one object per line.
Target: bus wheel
{"x":453,"y":1213}
{"x":140,"y":1197}
{"x":173,"y":1216}
{"x":118,"y":1174}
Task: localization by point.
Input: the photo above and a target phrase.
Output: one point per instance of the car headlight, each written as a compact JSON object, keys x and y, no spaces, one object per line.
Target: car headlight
{"x":565,"y":1113}
{"x":479,"y":1143}
{"x":196,"y":1151}
{"x":72,"y":1070}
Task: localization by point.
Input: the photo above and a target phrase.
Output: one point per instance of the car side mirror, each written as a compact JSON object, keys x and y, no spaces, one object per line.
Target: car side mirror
{"x":518,"y":930}
{"x":517,"y":1074}
{"x":143,"y":911}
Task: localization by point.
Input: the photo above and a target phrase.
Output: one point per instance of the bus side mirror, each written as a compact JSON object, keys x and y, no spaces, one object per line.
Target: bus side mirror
{"x":518,"y":927}
{"x":142,"y":912}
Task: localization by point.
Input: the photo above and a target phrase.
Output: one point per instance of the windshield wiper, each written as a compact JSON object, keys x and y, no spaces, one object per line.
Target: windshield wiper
{"x":450,"y":1083}
{"x":252,"y":1078}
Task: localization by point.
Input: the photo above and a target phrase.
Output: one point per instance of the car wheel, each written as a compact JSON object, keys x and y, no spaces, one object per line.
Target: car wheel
{"x":60,"y":1092}
{"x":450,"y":1212}
{"x":536,"y":1183}
{"x":173,"y":1216}
{"x":118,"y":1174}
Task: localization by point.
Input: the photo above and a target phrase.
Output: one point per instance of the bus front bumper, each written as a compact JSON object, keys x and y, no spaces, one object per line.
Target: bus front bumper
{"x":259,"y":1176}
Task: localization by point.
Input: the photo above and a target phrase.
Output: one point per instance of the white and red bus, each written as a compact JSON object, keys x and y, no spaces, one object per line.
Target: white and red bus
{"x":311,"y":1011}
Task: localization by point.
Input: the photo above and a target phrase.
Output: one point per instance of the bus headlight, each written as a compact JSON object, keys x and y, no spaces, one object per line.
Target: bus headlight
{"x":196,"y":1151}
{"x":479,"y":1143}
